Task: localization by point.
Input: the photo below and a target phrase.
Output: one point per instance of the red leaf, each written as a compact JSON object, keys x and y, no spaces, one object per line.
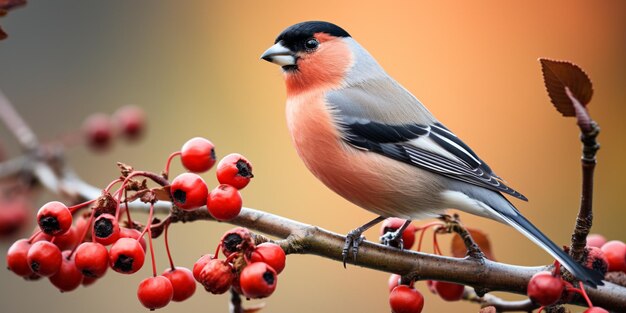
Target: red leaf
{"x":560,"y":74}
{"x":3,"y":35}
{"x":458,"y":249}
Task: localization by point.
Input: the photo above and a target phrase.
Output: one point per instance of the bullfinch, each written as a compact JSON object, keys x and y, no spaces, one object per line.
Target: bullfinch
{"x":371,"y":141}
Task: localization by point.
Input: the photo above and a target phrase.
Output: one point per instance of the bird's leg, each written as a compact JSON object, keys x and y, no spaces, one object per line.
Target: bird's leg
{"x":354,"y":239}
{"x":394,"y":239}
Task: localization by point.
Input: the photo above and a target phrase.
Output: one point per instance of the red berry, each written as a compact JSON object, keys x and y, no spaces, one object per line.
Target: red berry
{"x":596,"y":240}
{"x":182,"y":282}
{"x":430,"y":284}
{"x":88,"y":281}
{"x":44,"y":258}
{"x":258,"y":280}
{"x":404,"y":299}
{"x":198,"y":155}
{"x":130,"y":121}
{"x":126,"y":256}
{"x":189,"y":191}
{"x":54,"y":218}
{"x":16,"y":258}
{"x":595,"y":260}
{"x":98,"y":131}
{"x":13,"y":215}
{"x":596,"y":309}
{"x":134,"y":234}
{"x":394,"y":280}
{"x":106,"y":229}
{"x":237,"y":239}
{"x":392,"y":224}
{"x":449,"y":291}
{"x":83,"y":224}
{"x":68,"y":277}
{"x":68,"y":240}
{"x":270,"y":253}
{"x":217,"y":276}
{"x":545,"y":289}
{"x":200,"y":264}
{"x":235,"y":170}
{"x":155,"y":292}
{"x":615,"y":253}
{"x":92,"y":259}
{"x":224,"y":202}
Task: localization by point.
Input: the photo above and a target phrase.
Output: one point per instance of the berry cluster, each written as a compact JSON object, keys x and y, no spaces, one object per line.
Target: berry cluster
{"x":614,"y":252}
{"x":100,"y":129}
{"x":249,"y":269}
{"x":548,"y":288}
{"x":189,"y":191}
{"x":405,"y":298}
{"x":98,"y":132}
{"x":71,"y":248}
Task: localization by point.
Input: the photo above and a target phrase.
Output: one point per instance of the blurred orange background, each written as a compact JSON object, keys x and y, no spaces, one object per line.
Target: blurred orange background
{"x":194,"y":66}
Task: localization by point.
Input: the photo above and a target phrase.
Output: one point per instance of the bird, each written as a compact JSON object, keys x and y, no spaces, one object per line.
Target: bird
{"x":371,"y":141}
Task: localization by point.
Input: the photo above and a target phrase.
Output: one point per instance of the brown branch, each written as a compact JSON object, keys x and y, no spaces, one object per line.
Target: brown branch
{"x":498,"y":303}
{"x":16,"y":125}
{"x":485,"y":275}
{"x":589,"y":131}
{"x":301,"y":238}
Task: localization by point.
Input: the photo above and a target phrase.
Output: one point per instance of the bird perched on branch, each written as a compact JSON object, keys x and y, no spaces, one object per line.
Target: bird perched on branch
{"x":371,"y":141}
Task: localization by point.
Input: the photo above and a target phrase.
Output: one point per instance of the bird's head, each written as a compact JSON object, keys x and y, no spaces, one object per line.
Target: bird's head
{"x":312,"y":55}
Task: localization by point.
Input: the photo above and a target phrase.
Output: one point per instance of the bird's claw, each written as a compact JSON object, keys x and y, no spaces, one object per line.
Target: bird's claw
{"x":353,"y":240}
{"x":392,"y":239}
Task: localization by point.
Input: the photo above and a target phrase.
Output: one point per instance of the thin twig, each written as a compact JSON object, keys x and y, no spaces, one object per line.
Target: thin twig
{"x":589,"y":131}
{"x":498,"y":303}
{"x":16,"y":125}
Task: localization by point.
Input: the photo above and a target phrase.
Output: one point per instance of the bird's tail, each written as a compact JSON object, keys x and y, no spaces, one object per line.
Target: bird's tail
{"x":590,"y":277}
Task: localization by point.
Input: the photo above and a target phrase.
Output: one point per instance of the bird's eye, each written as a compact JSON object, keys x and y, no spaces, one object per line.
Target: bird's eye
{"x":311,"y":44}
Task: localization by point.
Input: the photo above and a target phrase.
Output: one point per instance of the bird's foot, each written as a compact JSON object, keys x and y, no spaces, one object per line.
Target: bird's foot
{"x":353,"y":240}
{"x":393,"y":239}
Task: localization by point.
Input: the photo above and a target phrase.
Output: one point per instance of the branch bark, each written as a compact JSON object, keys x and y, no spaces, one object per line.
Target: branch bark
{"x":589,"y":130}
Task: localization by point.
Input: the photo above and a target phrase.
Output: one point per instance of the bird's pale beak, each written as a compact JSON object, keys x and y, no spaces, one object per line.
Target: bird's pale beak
{"x":280,"y":55}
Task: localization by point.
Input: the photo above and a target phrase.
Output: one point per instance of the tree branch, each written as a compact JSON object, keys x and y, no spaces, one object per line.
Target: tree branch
{"x":589,"y":131}
{"x":499,"y":304}
{"x":16,"y":125}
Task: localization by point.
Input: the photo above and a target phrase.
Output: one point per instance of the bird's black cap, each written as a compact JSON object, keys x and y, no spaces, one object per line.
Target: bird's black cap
{"x":306,"y":30}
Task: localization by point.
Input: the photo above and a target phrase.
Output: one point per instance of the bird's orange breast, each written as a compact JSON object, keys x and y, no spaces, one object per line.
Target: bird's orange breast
{"x":359,"y":176}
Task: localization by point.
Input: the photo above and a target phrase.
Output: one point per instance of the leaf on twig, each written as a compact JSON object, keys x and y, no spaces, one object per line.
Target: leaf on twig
{"x":558,"y":75}
{"x":162,"y":193}
{"x":459,"y":250}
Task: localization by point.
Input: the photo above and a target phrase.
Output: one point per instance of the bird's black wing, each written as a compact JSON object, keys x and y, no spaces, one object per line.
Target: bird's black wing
{"x":430,"y":147}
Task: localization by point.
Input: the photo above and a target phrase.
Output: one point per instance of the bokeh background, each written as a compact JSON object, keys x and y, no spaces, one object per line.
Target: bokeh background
{"x":194,"y":66}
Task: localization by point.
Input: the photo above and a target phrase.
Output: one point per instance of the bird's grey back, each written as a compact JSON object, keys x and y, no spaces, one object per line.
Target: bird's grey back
{"x":368,"y":92}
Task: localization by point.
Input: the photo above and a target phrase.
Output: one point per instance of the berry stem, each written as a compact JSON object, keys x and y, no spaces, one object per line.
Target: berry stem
{"x":148,"y":227}
{"x":217,"y":251}
{"x":30,"y":240}
{"x":584,"y":294}
{"x":167,"y":246}
{"x":557,"y":269}
{"x":423,"y":230}
{"x":79,"y":206}
{"x":84,"y":234}
{"x":166,"y":172}
{"x":130,"y":220}
{"x":436,"y":248}
{"x":111,"y":184}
